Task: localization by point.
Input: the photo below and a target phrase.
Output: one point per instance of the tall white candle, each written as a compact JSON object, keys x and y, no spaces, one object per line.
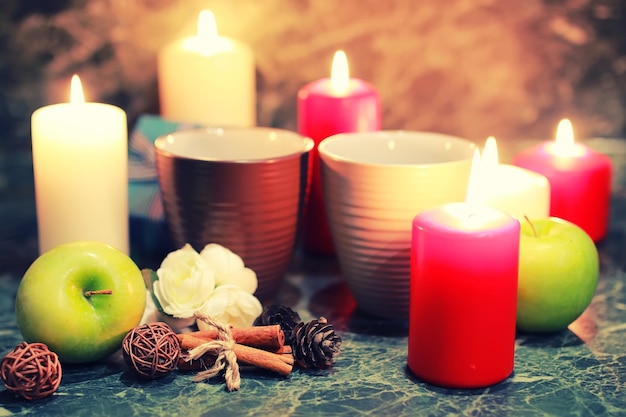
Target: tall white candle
{"x":81,"y":174}
{"x":207,"y":78}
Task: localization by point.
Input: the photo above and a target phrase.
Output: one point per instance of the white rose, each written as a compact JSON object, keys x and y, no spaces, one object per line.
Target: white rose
{"x":229,"y":268}
{"x":185,"y":282}
{"x":231,"y":305}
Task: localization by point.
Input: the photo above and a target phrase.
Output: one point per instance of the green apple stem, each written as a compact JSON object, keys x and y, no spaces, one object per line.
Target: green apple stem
{"x":532,"y":227}
{"x":97,"y":292}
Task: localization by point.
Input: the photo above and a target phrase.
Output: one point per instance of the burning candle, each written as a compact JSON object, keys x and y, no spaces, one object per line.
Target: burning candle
{"x":463,"y":294}
{"x":207,"y":79}
{"x":326,"y":107}
{"x":81,"y":175}
{"x":580,"y":180}
{"x":517,"y":191}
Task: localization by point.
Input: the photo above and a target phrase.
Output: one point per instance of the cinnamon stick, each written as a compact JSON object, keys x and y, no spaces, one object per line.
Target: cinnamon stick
{"x":188,"y":341}
{"x":275,"y":362}
{"x":281,"y":364}
{"x":285,"y":350}
{"x":270,"y":337}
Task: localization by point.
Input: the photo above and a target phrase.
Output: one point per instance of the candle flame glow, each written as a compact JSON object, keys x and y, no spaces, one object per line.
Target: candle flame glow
{"x":564,"y":144}
{"x":475,"y":188}
{"x":76,"y":90}
{"x":565,"y":134}
{"x":490,"y":153}
{"x":483,"y":168}
{"x":340,"y":74}
{"x":207,"y":28}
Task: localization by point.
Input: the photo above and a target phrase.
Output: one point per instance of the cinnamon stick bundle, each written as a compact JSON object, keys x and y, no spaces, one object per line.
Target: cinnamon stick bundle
{"x":270,"y":337}
{"x":281,"y":363}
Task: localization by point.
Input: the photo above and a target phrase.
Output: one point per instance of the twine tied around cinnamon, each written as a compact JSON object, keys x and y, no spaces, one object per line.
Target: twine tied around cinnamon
{"x":223,"y":348}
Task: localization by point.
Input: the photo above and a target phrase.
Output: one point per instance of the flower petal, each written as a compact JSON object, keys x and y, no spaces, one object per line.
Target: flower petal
{"x":231,"y":305}
{"x":229,"y":268}
{"x":185,"y":282}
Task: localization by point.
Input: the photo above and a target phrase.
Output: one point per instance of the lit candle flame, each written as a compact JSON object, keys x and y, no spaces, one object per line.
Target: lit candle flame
{"x":76,"y":90}
{"x":490,"y":153}
{"x":476,"y":188}
{"x":483,"y":167}
{"x":339,"y":74}
{"x":207,"y":29}
{"x":564,"y":144}
{"x":564,"y":134}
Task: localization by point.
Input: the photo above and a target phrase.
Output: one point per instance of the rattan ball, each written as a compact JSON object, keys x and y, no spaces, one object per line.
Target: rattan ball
{"x":151,"y":350}
{"x":31,"y":370}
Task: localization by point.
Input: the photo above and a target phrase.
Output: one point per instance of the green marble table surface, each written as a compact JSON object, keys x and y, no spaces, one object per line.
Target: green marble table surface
{"x":578,"y":372}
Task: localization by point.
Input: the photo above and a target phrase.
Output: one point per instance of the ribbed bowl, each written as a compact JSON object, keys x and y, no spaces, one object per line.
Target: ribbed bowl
{"x":374,"y":184}
{"x":241,"y":188}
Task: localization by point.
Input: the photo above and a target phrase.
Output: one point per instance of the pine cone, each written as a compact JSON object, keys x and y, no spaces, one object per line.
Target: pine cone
{"x":282,"y":315}
{"x":315,"y":344}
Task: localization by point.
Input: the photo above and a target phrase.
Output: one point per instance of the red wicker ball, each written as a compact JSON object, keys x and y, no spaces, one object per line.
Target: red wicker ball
{"x":151,"y":350}
{"x":31,"y":370}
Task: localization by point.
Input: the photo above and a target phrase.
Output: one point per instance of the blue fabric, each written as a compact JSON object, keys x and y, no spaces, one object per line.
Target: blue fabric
{"x":149,"y":238}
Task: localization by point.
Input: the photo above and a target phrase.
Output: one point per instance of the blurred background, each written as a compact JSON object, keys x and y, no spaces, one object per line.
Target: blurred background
{"x":473,"y":68}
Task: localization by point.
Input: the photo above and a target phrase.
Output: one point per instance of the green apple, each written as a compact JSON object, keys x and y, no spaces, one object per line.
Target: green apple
{"x":558,"y":274}
{"x":80,"y":299}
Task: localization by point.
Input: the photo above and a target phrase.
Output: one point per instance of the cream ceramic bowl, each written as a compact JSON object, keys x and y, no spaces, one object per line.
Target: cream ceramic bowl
{"x":374,"y":184}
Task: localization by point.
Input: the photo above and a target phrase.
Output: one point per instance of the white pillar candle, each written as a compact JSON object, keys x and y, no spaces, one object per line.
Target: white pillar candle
{"x":207,"y":79}
{"x":517,"y":191}
{"x":81,"y":174}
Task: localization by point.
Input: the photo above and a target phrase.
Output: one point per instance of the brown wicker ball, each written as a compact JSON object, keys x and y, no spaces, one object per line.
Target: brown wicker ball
{"x":151,"y":350}
{"x":31,"y":370}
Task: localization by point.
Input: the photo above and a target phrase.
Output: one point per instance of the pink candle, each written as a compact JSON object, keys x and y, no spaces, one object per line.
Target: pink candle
{"x":325,"y":107}
{"x":580,"y":180}
{"x":463,"y":295}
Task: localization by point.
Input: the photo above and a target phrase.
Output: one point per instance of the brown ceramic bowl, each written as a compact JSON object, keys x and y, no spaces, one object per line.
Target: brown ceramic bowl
{"x":242,"y":188}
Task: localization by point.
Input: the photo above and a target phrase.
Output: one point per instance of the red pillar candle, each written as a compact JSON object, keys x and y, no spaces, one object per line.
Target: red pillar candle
{"x":326,"y":107}
{"x":463,"y":295}
{"x":580,"y":180}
